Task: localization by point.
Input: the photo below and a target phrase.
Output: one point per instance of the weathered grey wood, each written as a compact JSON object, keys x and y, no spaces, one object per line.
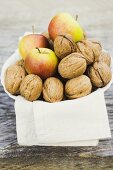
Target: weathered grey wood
{"x":17,"y":17}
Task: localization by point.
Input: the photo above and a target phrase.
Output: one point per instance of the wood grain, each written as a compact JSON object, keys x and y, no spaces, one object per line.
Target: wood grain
{"x":17,"y":17}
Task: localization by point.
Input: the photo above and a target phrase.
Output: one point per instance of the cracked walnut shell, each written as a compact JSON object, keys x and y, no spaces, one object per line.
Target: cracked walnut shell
{"x":53,"y":90}
{"x":31,"y":87}
{"x":72,"y":66}
{"x":90,"y":49}
{"x":64,"y":45}
{"x":78,"y":87}
{"x":13,"y":78}
{"x":99,"y":74}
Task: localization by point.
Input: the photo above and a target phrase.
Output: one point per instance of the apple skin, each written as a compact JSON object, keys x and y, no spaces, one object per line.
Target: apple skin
{"x":65,"y":23}
{"x":31,"y":41}
{"x":42,"y":62}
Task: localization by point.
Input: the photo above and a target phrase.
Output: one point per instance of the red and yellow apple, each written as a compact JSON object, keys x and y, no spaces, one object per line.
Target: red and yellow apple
{"x":65,"y":23}
{"x":31,"y":41}
{"x":42,"y":62}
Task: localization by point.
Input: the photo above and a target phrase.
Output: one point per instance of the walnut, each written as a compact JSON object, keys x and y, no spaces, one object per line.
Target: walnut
{"x":53,"y":90}
{"x":31,"y":87}
{"x":64,"y":45}
{"x":20,"y":63}
{"x":105,"y":57}
{"x":13,"y":78}
{"x":72,"y":66}
{"x":78,"y":87}
{"x":90,"y":49}
{"x":99,"y":74}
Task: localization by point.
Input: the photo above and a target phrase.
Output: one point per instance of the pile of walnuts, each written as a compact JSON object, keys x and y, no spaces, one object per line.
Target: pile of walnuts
{"x":83,"y":67}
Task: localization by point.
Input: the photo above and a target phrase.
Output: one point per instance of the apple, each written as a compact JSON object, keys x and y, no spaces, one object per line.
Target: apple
{"x":65,"y":23}
{"x":31,"y":41}
{"x":42,"y":62}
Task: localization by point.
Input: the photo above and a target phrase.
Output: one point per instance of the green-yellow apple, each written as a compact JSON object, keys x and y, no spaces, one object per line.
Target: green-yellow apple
{"x":42,"y":62}
{"x":65,"y":23}
{"x":31,"y":41}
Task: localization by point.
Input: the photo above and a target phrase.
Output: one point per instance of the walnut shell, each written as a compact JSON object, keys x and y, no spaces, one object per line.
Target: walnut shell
{"x":20,"y":63}
{"x":53,"y":90}
{"x":13,"y":78}
{"x":31,"y":87}
{"x":105,"y":57}
{"x":72,"y":66}
{"x":64,"y":45}
{"x":78,"y":87}
{"x":90,"y":49}
{"x":99,"y":74}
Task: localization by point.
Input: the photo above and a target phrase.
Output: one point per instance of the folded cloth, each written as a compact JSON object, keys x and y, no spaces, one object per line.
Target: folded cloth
{"x":26,"y":131}
{"x":80,"y":122}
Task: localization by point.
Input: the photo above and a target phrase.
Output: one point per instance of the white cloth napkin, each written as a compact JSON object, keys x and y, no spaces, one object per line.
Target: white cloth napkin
{"x":26,"y":123}
{"x":78,"y":122}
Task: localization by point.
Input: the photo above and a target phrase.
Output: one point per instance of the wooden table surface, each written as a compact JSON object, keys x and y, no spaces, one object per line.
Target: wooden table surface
{"x":17,"y":17}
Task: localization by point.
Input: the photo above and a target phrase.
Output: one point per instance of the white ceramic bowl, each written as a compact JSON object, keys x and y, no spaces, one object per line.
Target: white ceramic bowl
{"x":14,"y":57}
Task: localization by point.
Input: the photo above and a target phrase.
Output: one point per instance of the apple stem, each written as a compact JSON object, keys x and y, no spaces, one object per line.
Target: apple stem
{"x":38,"y":49}
{"x":76,"y":17}
{"x":33,"y":29}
